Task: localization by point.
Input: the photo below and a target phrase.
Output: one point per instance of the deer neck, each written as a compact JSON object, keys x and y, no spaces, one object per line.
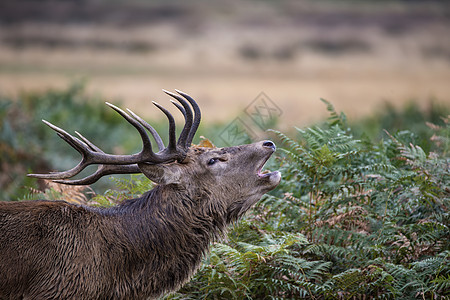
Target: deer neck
{"x":169,"y":231}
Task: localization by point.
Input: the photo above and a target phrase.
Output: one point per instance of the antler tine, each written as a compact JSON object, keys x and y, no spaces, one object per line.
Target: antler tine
{"x":172,"y":133}
{"x":197,"y":117}
{"x":89,"y":143}
{"x":152,"y":130}
{"x":73,"y":141}
{"x":77,"y":145}
{"x":91,"y":154}
{"x":103,"y":170}
{"x":180,"y":108}
{"x":188,"y":119}
{"x":147,"y":145}
{"x":62,"y":175}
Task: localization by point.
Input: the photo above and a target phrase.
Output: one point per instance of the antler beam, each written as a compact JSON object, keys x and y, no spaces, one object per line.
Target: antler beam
{"x":126,"y":164}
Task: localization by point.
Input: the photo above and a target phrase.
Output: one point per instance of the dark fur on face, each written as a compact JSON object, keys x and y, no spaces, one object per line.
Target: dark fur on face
{"x":139,"y":249}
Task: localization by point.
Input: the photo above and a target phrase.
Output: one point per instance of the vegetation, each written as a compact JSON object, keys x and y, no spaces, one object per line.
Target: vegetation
{"x":359,"y":214}
{"x":351,"y":219}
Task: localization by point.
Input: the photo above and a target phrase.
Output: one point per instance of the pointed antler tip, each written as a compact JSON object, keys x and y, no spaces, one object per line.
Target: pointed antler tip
{"x":80,"y":135}
{"x":110,"y":104}
{"x":39,"y":176}
{"x":180,"y":92}
{"x":157,"y":105}
{"x":169,"y":93}
{"x":119,"y":110}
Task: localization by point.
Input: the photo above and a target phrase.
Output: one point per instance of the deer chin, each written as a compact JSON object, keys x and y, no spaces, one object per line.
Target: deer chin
{"x":272,"y":179}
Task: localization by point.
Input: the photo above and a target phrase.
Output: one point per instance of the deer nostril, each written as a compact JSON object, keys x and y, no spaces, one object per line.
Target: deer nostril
{"x":269,"y":144}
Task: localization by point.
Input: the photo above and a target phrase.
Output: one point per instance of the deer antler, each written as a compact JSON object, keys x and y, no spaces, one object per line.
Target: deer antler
{"x":128,"y":164}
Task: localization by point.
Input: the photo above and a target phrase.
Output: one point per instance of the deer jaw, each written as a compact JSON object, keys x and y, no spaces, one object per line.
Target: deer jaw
{"x":231,"y":176}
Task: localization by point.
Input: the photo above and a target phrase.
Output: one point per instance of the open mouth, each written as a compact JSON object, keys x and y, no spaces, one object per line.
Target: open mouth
{"x":264,"y":173}
{"x":270,"y":179}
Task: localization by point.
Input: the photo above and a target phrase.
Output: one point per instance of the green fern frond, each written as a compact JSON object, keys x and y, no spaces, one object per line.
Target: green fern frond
{"x":334,"y":118}
{"x":293,"y":146}
{"x":440,"y":285}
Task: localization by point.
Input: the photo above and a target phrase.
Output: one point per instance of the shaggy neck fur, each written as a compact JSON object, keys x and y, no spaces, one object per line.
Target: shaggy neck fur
{"x":168,"y":231}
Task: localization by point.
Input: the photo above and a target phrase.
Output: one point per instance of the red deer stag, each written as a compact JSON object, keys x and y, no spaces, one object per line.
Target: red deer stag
{"x":144,"y":247}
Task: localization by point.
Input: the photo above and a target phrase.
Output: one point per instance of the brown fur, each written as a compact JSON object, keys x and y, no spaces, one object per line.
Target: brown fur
{"x":139,"y":249}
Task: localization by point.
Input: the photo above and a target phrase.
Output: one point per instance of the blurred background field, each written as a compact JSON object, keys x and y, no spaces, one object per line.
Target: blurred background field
{"x":357,"y":54}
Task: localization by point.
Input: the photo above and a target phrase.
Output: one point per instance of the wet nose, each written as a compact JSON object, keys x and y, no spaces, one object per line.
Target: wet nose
{"x":269,"y":144}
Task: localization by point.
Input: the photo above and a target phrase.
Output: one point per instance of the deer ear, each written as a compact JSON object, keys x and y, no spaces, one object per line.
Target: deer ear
{"x":161,"y":174}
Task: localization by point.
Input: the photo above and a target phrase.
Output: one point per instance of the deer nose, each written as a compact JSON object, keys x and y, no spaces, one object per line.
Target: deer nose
{"x":269,"y":144}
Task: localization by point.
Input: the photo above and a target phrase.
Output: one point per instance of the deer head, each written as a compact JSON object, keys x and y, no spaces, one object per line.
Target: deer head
{"x":230,"y":177}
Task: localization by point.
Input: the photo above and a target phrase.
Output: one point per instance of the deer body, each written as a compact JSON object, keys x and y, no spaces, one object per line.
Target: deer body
{"x":143,"y":247}
{"x":133,"y":251}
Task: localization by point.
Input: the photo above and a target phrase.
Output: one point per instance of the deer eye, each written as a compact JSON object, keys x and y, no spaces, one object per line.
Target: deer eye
{"x":212,"y":161}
